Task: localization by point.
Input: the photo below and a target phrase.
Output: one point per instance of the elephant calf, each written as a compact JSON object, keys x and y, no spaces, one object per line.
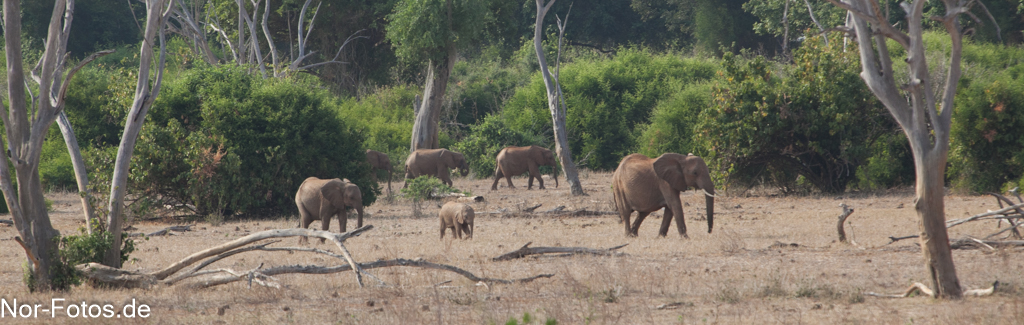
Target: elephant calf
{"x":320,"y":199}
{"x":458,"y":217}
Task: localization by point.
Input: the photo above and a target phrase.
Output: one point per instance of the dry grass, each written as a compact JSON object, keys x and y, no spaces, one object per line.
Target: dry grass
{"x":734,"y":275}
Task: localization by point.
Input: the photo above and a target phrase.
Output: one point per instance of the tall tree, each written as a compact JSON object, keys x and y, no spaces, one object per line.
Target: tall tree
{"x":432,"y":31}
{"x":26,"y":123}
{"x":157,"y":13}
{"x":554,"y":91}
{"x":924,"y":119}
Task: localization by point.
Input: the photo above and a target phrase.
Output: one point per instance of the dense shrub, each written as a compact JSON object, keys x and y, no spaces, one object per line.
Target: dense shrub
{"x":987,"y":147}
{"x":384,"y":118}
{"x":815,"y":119}
{"x":608,"y":100}
{"x":225,"y":141}
{"x":486,"y":139}
{"x":674,"y":120}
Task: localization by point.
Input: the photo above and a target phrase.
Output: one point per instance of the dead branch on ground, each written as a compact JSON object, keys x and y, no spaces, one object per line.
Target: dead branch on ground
{"x":526,"y":251}
{"x":847,"y":211}
{"x":1013,"y":214}
{"x":7,"y":222}
{"x":315,"y":269}
{"x":923,"y":289}
{"x":100,"y":274}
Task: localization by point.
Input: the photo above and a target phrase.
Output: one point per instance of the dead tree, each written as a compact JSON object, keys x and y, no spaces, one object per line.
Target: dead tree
{"x":554,"y":94}
{"x":26,"y":122}
{"x":526,"y":250}
{"x":914,"y":106}
{"x":847,"y":211}
{"x":157,"y":13}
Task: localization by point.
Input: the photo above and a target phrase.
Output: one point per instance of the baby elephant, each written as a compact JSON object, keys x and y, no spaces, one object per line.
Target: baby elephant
{"x":458,"y":217}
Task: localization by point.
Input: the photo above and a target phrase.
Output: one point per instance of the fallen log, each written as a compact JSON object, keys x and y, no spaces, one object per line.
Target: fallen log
{"x":526,"y":250}
{"x":314,"y":269}
{"x":100,"y":274}
{"x":7,"y":222}
{"x":1000,"y":199}
{"x":969,"y":242}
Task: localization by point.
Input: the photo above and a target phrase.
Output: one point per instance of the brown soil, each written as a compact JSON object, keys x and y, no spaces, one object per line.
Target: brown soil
{"x":734,"y":275}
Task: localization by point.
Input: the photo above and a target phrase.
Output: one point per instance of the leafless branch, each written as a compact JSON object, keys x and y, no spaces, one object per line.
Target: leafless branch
{"x":526,"y":250}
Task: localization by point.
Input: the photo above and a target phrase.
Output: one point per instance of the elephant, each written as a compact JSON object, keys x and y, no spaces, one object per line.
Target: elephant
{"x":458,"y":217}
{"x":320,"y":199}
{"x":514,"y":161}
{"x":645,"y":185}
{"x":434,"y":162}
{"x":379,"y":161}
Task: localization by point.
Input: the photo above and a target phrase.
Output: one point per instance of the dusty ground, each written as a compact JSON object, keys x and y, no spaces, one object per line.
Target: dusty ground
{"x":730,"y":276}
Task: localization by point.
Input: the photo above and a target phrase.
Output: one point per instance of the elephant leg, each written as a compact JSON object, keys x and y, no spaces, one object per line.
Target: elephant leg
{"x":535,"y":173}
{"x":442,"y":229}
{"x":680,"y":223}
{"x":325,"y":224}
{"x":665,"y":221}
{"x":640,"y":216}
{"x":304,"y":220}
{"x":497,"y":177}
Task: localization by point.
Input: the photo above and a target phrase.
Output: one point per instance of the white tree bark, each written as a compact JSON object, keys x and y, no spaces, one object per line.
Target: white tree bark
{"x":26,"y":123}
{"x":926,"y":128}
{"x":557,"y":115}
{"x":157,"y":12}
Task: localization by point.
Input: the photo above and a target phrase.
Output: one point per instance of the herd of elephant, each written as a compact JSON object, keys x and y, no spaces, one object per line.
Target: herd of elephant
{"x":640,"y":184}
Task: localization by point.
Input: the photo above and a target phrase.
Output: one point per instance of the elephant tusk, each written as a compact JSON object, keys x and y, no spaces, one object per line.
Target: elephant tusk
{"x":708,"y":194}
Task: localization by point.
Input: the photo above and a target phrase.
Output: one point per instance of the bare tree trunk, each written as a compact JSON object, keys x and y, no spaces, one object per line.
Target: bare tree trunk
{"x":785,"y":27}
{"x":425,"y":129}
{"x":926,"y":128}
{"x":81,"y":175}
{"x":156,"y":17}
{"x":557,"y":115}
{"x":26,"y":123}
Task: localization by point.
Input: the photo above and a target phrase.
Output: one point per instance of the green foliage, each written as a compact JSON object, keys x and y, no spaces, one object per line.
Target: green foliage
{"x":769,"y":14}
{"x":486,"y":139}
{"x":890,"y":163}
{"x":986,"y":146}
{"x":79,"y":249}
{"x":55,"y":169}
{"x":673,"y":122}
{"x":608,"y":101}
{"x":384,"y":119}
{"x":421,"y":30}
{"x":225,"y":141}
{"x":815,"y":119}
{"x":427,"y":187}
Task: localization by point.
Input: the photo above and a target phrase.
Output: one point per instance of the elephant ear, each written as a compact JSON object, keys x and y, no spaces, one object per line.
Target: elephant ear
{"x":332,"y":192}
{"x":460,"y":217}
{"x":669,"y":168}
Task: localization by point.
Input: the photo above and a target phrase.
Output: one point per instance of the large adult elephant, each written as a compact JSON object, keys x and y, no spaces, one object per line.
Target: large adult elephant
{"x":434,"y":162}
{"x":379,"y":161}
{"x":646,"y":185}
{"x":514,"y":161}
{"x":320,"y":199}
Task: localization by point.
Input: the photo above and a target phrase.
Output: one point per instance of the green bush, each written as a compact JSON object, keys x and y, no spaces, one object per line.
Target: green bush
{"x":225,"y":141}
{"x":608,"y":101}
{"x":79,"y":249}
{"x":673,"y":122}
{"x":486,"y":139}
{"x":815,"y":119}
{"x":384,"y":118}
{"x":427,"y":187}
{"x":986,"y":145}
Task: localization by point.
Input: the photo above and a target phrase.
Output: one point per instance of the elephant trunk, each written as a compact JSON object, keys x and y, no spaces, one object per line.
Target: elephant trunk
{"x":709,"y":201}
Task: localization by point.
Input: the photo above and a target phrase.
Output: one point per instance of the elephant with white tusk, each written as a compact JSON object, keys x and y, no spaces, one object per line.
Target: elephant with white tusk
{"x":320,"y":199}
{"x":513,"y":161}
{"x":434,"y":162}
{"x":646,"y":185}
